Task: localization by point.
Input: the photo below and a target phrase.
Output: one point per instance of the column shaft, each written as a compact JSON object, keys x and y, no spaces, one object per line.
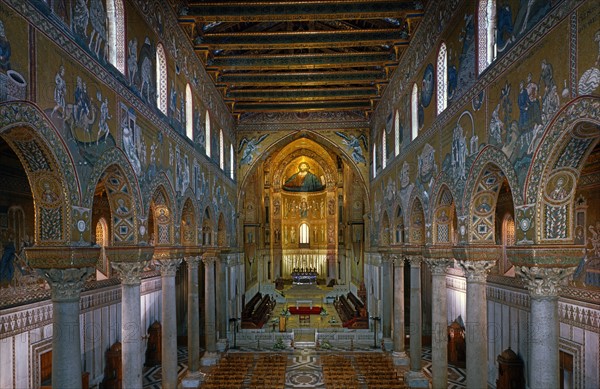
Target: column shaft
{"x":66,"y":286}
{"x":476,"y":324}
{"x":399,"y":306}
{"x":193,"y":316}
{"x":415,"y":314}
{"x":439,"y":313}
{"x":131,"y":336}
{"x":168,"y":268}
{"x":386,"y":296}
{"x":544,"y":362}
{"x":221,"y":298}
{"x":544,"y":285}
{"x":209,"y":303}
{"x":66,"y":345}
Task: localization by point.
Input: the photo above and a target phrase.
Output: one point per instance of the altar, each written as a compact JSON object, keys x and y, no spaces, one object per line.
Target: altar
{"x":304,"y":276}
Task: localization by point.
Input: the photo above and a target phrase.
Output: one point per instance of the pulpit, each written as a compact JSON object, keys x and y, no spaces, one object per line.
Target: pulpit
{"x":457,"y":347}
{"x":510,"y":371}
{"x":154,"y":349}
{"x":113,"y":372}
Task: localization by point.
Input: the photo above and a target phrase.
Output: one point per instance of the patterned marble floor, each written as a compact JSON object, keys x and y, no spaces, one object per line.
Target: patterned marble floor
{"x":304,"y":368}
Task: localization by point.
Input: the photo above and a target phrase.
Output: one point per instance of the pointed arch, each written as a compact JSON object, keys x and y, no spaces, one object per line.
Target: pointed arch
{"x":443,"y":218}
{"x":486,"y":21}
{"x":442,"y":78}
{"x":385,"y":230}
{"x":207,"y":134}
{"x":416,"y":218}
{"x":221,"y":231}
{"x":189,"y":112}
{"x":207,"y":227}
{"x":161,"y":78}
{"x":398,"y":225}
{"x":397,"y":133}
{"x":189,"y":222}
{"x":414,"y":112}
{"x":115,"y":13}
{"x":52,"y":177}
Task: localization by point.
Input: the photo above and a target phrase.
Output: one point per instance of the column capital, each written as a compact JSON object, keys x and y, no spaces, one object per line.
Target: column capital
{"x":130,"y":272}
{"x":438,"y":266}
{"x":415,"y":260}
{"x":168,"y":266}
{"x":544,"y":282}
{"x":66,"y":284}
{"x":397,"y":260}
{"x":476,"y":271}
{"x":209,"y":260}
{"x":193,"y":260}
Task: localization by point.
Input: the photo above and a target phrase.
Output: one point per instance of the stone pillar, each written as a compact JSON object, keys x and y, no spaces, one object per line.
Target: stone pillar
{"x":544,"y":286}
{"x":476,"y":324}
{"x":439,"y":321}
{"x":210,"y":356}
{"x":66,"y":286}
{"x":386,"y":296}
{"x":399,"y":354}
{"x":131,"y":321}
{"x":221,"y":300}
{"x":194,"y":376}
{"x":415,"y":377}
{"x":168,"y":268}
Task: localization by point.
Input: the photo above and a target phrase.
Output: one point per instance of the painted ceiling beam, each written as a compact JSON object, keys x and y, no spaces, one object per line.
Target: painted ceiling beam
{"x":300,"y":61}
{"x":302,"y":78}
{"x":276,"y":11}
{"x":300,"y":39}
{"x":301,"y":94}
{"x":303,"y":106}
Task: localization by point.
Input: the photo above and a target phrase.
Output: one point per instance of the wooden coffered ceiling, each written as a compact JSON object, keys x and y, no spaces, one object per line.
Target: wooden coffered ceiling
{"x":301,"y":56}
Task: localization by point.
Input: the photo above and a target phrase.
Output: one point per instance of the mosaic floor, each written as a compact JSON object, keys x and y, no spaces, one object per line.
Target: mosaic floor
{"x":304,"y":368}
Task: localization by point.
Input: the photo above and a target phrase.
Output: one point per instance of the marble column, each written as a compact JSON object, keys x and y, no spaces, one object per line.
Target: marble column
{"x":476,"y":324}
{"x":210,"y":355}
{"x":439,"y":321}
{"x":168,"y":268}
{"x":399,"y":354}
{"x":544,"y":286}
{"x":221,"y":300}
{"x":131,"y":320}
{"x":386,"y":296}
{"x":415,"y":378}
{"x":194,"y":376}
{"x":66,"y":286}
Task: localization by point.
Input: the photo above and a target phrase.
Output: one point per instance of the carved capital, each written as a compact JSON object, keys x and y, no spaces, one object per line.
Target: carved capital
{"x":438,"y":267}
{"x":209,"y":260}
{"x":66,"y":284}
{"x":168,"y":267}
{"x":476,"y":271}
{"x":397,"y":260}
{"x":415,"y":260}
{"x":544,"y":282}
{"x":130,"y":272}
{"x":193,"y":261}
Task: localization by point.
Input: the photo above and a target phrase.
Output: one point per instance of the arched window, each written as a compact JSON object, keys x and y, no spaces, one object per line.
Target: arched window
{"x":397,"y":134}
{"x":161,"y":79}
{"x":115,"y":13}
{"x":487,"y":31}
{"x":231,"y":167}
{"x":374,"y":160}
{"x":189,"y":112}
{"x":221,"y":151}
{"x":102,"y":241}
{"x":207,"y":134}
{"x":442,"y":79}
{"x":383,"y":150}
{"x":304,"y":233}
{"x":414,"y":111}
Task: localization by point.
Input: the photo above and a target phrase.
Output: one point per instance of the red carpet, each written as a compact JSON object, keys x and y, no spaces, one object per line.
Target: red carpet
{"x":305,"y":310}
